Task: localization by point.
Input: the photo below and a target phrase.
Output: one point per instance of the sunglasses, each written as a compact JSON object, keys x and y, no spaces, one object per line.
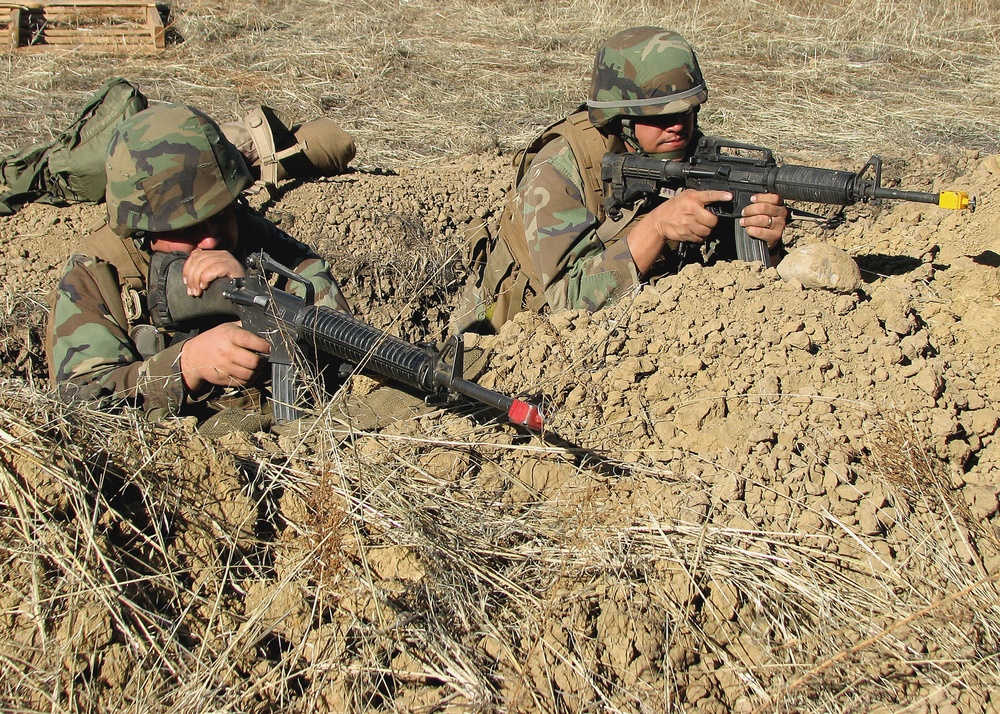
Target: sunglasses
{"x":665,"y":120}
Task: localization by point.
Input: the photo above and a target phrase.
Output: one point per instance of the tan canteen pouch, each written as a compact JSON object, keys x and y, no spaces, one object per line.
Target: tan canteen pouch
{"x":277,"y":149}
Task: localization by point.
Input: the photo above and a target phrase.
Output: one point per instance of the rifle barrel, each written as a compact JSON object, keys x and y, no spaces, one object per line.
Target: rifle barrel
{"x":339,"y":334}
{"x":517,"y":411}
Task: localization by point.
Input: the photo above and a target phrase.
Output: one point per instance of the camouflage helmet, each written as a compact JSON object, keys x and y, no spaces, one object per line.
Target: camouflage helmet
{"x":170,"y":167}
{"x":644,"y":71}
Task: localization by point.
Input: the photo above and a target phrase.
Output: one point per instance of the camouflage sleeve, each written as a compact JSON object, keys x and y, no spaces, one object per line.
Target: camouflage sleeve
{"x":577,"y":269}
{"x":326,"y":291}
{"x":91,"y":356}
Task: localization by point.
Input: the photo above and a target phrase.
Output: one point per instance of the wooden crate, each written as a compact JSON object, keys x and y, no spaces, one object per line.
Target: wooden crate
{"x":119,"y":26}
{"x":10,"y":19}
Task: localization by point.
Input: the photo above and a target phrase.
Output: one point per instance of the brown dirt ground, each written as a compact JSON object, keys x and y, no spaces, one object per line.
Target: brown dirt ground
{"x":760,"y":474}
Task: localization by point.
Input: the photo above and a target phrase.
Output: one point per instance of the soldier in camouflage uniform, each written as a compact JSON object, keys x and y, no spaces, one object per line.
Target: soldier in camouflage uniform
{"x":174,"y":183}
{"x":554,"y":247}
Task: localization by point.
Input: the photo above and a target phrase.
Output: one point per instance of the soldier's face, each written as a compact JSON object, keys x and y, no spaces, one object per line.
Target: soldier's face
{"x":220,"y":232}
{"x":662,"y":134}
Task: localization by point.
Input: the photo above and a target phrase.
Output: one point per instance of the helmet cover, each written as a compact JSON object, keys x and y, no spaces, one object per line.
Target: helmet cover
{"x":642,"y":72}
{"x":170,"y":167}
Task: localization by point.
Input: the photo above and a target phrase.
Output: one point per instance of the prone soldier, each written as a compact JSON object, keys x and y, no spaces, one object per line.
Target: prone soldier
{"x":554,"y":246}
{"x":174,"y":185}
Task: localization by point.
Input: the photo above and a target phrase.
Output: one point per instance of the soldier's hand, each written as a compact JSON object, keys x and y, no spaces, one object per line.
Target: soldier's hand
{"x":204,"y":266}
{"x":226,"y":355}
{"x":765,"y":218}
{"x":683,"y":218}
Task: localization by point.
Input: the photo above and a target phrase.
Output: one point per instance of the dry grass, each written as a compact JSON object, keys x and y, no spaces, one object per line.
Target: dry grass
{"x":418,"y":80}
{"x":134,"y":578}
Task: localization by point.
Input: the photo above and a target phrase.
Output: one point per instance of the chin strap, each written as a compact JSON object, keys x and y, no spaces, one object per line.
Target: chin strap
{"x":628,"y":136}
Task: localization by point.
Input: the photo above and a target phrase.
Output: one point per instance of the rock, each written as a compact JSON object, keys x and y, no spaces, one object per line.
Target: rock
{"x":929,"y":380}
{"x":892,"y":305}
{"x":984,"y":422}
{"x":982,"y":501}
{"x":819,"y":265}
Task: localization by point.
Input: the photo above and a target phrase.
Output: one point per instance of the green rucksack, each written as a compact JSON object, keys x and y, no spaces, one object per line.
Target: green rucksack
{"x":71,"y":168}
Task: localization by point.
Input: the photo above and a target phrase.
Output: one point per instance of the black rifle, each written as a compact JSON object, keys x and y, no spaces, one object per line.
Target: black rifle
{"x":745,"y":169}
{"x":291,"y":323}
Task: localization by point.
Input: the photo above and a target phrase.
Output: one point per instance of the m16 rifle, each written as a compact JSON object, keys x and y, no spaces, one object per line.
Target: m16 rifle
{"x":291,"y":324}
{"x":743,"y":170}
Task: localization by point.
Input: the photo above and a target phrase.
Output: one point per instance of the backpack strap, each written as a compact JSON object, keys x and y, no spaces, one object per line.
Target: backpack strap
{"x":261,"y":133}
{"x":589,"y":147}
{"x":132,"y":268}
{"x":122,"y":253}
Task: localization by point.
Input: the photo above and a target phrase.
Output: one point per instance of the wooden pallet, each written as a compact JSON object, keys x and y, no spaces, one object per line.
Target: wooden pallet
{"x":88,"y":25}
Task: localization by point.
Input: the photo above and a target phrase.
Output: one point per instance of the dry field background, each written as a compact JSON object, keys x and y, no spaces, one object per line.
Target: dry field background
{"x":832,"y":548}
{"x":420,"y":80}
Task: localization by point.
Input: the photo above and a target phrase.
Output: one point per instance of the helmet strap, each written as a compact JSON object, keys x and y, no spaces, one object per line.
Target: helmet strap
{"x":628,"y":136}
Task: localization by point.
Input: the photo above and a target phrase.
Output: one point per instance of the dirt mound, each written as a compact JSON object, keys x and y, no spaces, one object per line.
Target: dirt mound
{"x":749,"y":496}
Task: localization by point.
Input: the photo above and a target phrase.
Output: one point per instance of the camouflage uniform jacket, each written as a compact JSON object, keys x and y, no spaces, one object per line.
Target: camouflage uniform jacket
{"x":99,"y":323}
{"x":555,"y":219}
{"x":581,"y":256}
